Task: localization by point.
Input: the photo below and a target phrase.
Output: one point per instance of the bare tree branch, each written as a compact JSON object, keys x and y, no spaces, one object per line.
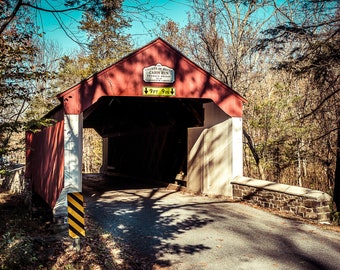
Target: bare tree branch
{"x":56,"y":10}
{"x":11,"y":17}
{"x":323,"y":101}
{"x":20,"y":4}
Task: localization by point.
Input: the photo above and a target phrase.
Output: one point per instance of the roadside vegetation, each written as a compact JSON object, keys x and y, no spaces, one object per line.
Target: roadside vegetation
{"x":31,"y":241}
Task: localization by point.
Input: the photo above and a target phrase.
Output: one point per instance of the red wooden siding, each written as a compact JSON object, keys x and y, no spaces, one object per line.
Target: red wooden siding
{"x":125,"y":78}
{"x":45,"y":162}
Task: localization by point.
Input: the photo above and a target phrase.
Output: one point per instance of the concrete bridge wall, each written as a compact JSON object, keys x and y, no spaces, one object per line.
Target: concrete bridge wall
{"x":302,"y":202}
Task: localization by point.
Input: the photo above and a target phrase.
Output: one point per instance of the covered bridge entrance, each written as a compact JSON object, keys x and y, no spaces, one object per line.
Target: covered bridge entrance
{"x":159,"y":115}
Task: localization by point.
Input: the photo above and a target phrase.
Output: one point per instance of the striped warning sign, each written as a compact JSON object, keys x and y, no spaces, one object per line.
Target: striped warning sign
{"x":76,"y":222}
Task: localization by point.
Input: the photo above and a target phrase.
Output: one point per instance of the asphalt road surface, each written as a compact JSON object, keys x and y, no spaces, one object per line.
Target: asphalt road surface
{"x":184,"y":232}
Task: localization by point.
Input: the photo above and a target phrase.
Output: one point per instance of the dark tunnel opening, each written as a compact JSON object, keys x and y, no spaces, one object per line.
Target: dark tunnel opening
{"x":146,"y":137}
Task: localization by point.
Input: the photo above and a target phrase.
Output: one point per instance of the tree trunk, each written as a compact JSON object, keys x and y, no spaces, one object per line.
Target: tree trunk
{"x":299,"y":168}
{"x":254,"y":152}
{"x":336,"y":192}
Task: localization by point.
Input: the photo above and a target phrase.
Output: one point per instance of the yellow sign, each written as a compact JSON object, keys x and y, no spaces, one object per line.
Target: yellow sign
{"x":159,"y":91}
{"x":75,"y":215}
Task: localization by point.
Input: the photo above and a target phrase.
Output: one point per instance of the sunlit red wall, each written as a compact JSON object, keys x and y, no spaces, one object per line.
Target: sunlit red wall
{"x":45,"y":162}
{"x":125,"y":78}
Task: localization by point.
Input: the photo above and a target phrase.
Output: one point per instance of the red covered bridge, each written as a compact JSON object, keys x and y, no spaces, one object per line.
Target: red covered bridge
{"x":159,"y":114}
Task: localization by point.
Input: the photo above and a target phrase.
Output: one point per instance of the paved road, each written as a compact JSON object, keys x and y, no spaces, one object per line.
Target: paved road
{"x":185,"y":232}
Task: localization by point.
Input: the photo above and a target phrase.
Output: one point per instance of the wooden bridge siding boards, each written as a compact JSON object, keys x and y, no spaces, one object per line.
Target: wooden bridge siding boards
{"x":45,"y":162}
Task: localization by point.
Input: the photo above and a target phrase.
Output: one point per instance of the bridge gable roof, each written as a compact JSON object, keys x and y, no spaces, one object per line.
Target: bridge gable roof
{"x":125,"y":78}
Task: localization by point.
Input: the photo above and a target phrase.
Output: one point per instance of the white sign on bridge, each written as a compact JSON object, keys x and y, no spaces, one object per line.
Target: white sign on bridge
{"x":158,"y":73}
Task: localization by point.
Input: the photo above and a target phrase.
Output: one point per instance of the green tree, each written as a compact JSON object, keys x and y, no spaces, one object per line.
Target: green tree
{"x":307,"y":35}
{"x":107,"y":43}
{"x":19,"y":72}
{"x":105,"y":31}
{"x":278,"y":136}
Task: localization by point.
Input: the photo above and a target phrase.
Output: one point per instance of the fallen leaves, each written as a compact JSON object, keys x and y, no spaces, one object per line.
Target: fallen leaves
{"x":39,"y":245}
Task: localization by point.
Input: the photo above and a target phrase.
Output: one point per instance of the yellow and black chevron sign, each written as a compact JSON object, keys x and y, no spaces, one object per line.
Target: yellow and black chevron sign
{"x":76,"y":212}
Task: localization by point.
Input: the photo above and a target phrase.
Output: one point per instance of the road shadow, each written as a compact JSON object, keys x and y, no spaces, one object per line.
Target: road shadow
{"x":155,"y":224}
{"x":133,"y":212}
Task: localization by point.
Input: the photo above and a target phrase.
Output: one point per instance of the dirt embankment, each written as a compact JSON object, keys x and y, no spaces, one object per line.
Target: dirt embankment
{"x":30,"y":240}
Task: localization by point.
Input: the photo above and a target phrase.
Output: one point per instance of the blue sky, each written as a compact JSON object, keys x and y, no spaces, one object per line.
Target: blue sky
{"x":142,"y":26}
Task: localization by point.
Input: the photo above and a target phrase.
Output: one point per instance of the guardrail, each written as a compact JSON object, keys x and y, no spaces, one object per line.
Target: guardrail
{"x":302,"y":202}
{"x":14,"y":180}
